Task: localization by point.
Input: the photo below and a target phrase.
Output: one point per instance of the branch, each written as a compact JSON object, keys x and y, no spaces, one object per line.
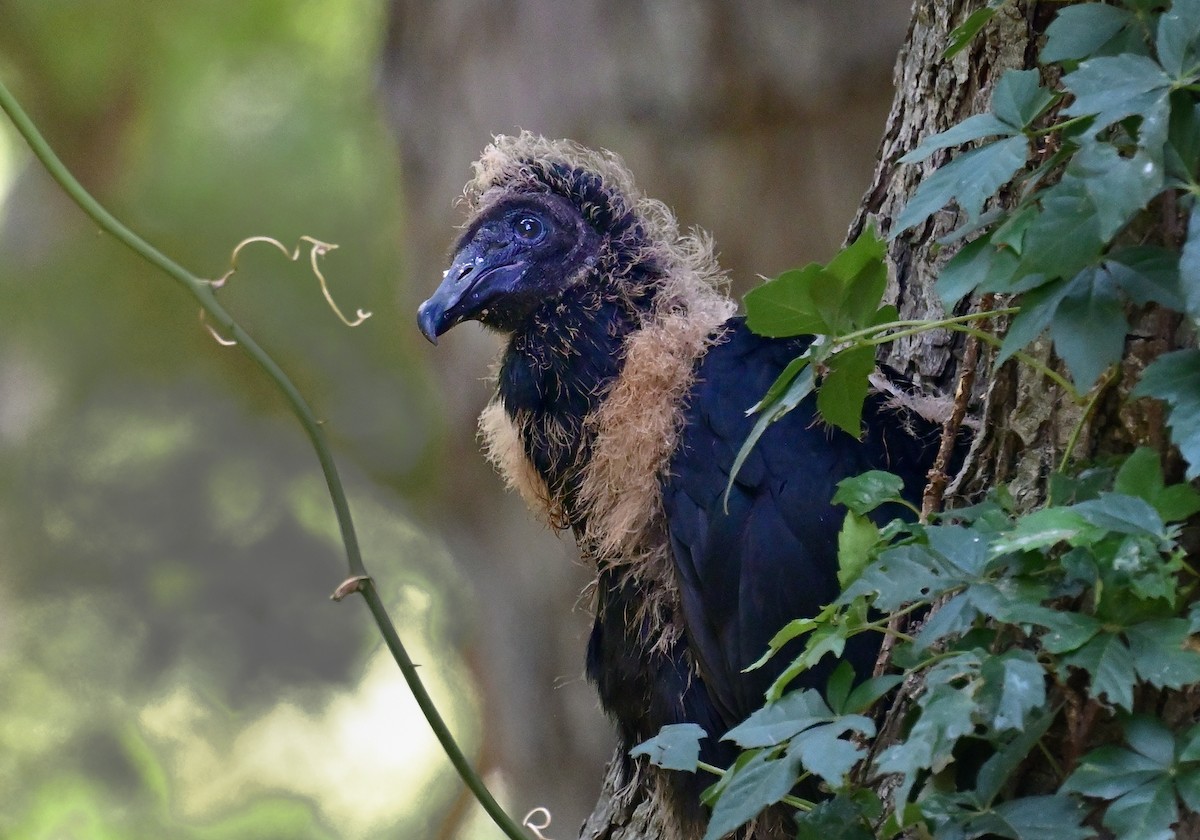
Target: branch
{"x":358,"y":581}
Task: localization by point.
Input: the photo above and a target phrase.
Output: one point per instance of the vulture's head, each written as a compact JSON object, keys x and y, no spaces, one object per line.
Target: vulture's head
{"x":519,"y":253}
{"x":548,"y":217}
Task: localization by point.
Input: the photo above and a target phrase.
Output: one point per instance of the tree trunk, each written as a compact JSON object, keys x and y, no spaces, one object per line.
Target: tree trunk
{"x":1023,"y":423}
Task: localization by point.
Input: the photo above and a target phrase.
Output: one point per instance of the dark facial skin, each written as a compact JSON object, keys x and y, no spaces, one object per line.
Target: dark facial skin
{"x":520,"y":253}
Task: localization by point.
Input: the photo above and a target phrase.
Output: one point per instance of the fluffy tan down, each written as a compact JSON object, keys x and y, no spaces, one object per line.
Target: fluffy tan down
{"x":638,"y":424}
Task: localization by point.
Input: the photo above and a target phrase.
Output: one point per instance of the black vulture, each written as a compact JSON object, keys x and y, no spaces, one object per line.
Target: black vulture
{"x":621,"y":398}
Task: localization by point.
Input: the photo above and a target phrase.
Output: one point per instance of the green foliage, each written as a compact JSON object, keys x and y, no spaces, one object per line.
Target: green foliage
{"x":996,"y":657}
{"x":1083,"y":600}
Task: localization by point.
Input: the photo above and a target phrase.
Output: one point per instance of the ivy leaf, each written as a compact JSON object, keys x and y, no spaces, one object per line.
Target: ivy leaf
{"x":1005,"y":761}
{"x":1115,"y":87}
{"x":868,"y":691}
{"x":947,"y":715}
{"x":1037,"y":310}
{"x":1089,"y":326}
{"x":1145,"y":813}
{"x":1077,"y":32}
{"x":1117,"y":186}
{"x":1122,"y":514}
{"x":1175,"y":378}
{"x":970,"y":179}
{"x":1041,"y":817}
{"x":825,"y":753}
{"x":1019,"y":98}
{"x":1141,"y":476}
{"x":839,"y":818}
{"x":784,"y":307}
{"x":797,"y":391}
{"x":761,"y":782}
{"x":1044,"y":528}
{"x":865,"y":492}
{"x":777,"y":722}
{"x":675,"y":747}
{"x":1148,"y":274}
{"x":844,"y":388}
{"x":901,"y":575}
{"x":1189,"y":266}
{"x":1178,"y":40}
{"x":1014,"y":685}
{"x":1110,"y":771}
{"x":965,"y":32}
{"x":972,"y":128}
{"x":1108,"y":660}
{"x":1161,"y":654}
{"x":1065,"y":237}
{"x":856,"y":542}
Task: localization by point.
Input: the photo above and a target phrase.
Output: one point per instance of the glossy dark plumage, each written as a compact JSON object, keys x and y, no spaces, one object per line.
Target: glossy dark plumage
{"x":621,"y":400}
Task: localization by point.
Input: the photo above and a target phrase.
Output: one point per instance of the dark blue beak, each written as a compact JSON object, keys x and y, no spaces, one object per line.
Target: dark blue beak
{"x":468,"y":286}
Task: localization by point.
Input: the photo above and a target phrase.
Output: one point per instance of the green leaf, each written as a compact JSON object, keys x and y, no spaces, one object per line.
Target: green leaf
{"x":1178,"y":40}
{"x":1151,"y":738}
{"x":825,"y":753}
{"x":1118,"y":186}
{"x":784,"y":307}
{"x":844,"y":388}
{"x":1043,"y":818}
{"x":966,"y":270}
{"x":1019,"y":98}
{"x":1107,"y":658}
{"x":778,"y":722}
{"x":901,"y":575}
{"x":1175,"y":378}
{"x":946,"y":716}
{"x":1089,"y":327}
{"x":763,"y":781}
{"x":970,"y":179}
{"x":1189,"y":266}
{"x":780,"y":385}
{"x":1116,"y":87}
{"x":839,"y":818}
{"x":1122,"y":514}
{"x":1161,"y":652}
{"x":1188,"y":785}
{"x":1005,"y":761}
{"x":867,"y":491}
{"x":675,"y":747}
{"x":965,"y":32}
{"x":1146,"y":274}
{"x":1141,"y":476}
{"x":868,"y":691}
{"x":1145,"y":813}
{"x":1044,"y":528}
{"x":1037,"y":310}
{"x":1014,"y":684}
{"x":837,"y":687}
{"x":1079,"y":31}
{"x":972,"y":128}
{"x":1065,"y":237}
{"x":1109,"y":772}
{"x":856,"y":543}
{"x":796,"y":392}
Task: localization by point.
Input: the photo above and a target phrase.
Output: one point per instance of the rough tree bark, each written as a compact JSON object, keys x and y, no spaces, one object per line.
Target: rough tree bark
{"x":1023,"y":423}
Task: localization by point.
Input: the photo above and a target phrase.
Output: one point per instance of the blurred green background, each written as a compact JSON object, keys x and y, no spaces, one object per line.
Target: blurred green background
{"x":170,"y":663}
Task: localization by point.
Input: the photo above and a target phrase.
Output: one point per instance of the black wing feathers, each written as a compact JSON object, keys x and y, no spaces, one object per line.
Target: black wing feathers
{"x":773,"y":556}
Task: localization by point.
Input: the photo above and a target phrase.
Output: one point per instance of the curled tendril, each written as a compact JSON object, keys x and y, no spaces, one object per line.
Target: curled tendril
{"x":318,"y":250}
{"x":543,"y":814}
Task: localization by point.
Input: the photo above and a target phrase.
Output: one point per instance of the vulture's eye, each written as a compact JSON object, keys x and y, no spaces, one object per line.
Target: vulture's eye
{"x":529,"y":228}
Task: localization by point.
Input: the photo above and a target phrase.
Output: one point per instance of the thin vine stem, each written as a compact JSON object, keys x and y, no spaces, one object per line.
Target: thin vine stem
{"x":203,"y":292}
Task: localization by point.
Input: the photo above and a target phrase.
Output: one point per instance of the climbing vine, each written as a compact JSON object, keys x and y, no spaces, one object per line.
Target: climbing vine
{"x":1041,"y":632}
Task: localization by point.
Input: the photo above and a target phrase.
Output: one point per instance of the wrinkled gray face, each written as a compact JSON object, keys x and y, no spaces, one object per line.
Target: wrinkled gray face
{"x":519,"y":253}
